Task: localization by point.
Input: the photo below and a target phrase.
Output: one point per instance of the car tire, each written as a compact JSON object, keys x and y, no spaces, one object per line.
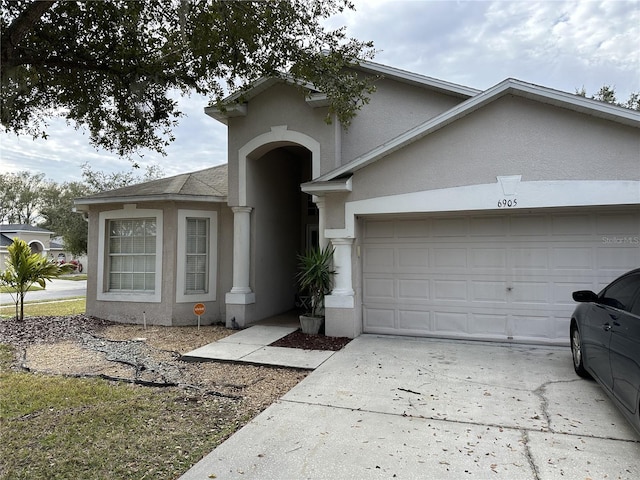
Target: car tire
{"x":576,"y":353}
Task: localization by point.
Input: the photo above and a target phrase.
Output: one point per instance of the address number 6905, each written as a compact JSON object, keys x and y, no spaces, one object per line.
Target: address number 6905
{"x":507,"y":203}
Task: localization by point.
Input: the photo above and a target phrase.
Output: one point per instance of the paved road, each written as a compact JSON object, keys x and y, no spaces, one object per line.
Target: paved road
{"x":56,"y":289}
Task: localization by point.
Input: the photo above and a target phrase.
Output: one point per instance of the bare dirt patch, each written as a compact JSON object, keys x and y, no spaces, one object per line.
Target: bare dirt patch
{"x":84,"y":347}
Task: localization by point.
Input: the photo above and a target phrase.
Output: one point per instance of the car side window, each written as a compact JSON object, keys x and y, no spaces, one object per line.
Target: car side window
{"x":621,"y":294}
{"x":635,"y":308}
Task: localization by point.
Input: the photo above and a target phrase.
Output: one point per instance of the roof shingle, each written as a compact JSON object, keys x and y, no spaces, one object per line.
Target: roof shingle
{"x":210,"y":182}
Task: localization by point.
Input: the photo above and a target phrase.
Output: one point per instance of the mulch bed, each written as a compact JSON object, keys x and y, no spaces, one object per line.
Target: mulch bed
{"x":53,"y":329}
{"x":48,"y":329}
{"x":298,"y":339}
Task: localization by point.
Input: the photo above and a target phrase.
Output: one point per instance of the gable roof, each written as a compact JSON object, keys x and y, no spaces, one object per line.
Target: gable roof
{"x":5,"y":241}
{"x":21,"y":227}
{"x":509,"y":86}
{"x":208,"y":185}
{"x":235,"y":104}
{"x":6,"y":229}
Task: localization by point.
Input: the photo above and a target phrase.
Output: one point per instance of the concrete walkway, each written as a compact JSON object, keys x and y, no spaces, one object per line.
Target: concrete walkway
{"x":251,"y":346}
{"x":407,"y":408}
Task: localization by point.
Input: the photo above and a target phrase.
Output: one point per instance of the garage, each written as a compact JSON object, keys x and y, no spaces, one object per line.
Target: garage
{"x":505,"y":276}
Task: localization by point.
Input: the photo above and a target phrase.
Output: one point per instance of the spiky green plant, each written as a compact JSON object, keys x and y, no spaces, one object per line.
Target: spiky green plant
{"x":24,"y":268}
{"x":315,"y":276}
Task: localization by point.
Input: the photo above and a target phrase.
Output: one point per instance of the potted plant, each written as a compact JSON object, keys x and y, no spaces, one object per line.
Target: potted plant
{"x":315,"y":277}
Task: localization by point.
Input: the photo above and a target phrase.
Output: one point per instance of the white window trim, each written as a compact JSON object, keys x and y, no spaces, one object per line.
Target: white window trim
{"x":181,"y":265}
{"x":103,"y":291}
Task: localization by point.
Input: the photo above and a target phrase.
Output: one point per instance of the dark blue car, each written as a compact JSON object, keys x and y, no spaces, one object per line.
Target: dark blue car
{"x":605,"y":341}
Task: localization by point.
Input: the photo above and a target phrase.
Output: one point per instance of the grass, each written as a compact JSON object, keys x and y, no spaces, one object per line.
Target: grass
{"x":69,"y":306}
{"x":74,"y":277}
{"x":32,"y":288}
{"x":92,"y":428}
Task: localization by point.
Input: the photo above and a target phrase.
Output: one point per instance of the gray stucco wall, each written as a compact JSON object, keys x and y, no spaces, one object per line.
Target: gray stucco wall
{"x":393,"y":109}
{"x":280,"y":105}
{"x":512,"y":136}
{"x":166,"y":312}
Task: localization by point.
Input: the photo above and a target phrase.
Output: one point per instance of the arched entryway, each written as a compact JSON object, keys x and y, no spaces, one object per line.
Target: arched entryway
{"x":284,"y":223}
{"x":273,"y":222}
{"x":37,"y":247}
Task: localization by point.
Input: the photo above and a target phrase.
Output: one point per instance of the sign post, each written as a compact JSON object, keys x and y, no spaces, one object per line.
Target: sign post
{"x":199,"y":309}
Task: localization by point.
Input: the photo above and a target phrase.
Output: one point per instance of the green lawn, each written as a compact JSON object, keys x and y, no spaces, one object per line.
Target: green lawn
{"x":67,"y":306}
{"x":74,"y":277}
{"x":32,"y":288}
{"x":92,"y":428}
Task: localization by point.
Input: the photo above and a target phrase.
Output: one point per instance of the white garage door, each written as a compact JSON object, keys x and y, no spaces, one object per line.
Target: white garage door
{"x":500,"y":276}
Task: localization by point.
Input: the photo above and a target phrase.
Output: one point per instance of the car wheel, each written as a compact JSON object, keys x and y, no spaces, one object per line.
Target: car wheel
{"x":576,"y":353}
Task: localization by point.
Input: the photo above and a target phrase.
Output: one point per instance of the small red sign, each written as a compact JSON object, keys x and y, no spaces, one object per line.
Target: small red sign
{"x":199,"y":309}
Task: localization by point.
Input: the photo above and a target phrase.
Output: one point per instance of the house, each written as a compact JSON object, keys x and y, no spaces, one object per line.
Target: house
{"x":39,"y":239}
{"x":453,"y":212}
{"x":160,"y":247}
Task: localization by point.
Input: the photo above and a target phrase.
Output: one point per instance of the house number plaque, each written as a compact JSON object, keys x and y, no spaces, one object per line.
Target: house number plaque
{"x":507,"y":202}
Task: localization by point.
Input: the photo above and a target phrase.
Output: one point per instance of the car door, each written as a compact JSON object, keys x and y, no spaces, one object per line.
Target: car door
{"x":624,"y":348}
{"x":596,"y":337}
{"x":613,"y":303}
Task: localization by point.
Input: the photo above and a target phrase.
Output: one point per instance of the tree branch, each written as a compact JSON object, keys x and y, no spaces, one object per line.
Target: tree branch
{"x":20,"y":27}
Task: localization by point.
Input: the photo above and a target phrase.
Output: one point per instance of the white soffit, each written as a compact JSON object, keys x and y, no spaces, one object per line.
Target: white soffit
{"x":235,"y":110}
{"x":323,"y":188}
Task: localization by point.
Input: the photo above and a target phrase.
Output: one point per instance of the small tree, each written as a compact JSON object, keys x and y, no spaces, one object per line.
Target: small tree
{"x":25,"y":268}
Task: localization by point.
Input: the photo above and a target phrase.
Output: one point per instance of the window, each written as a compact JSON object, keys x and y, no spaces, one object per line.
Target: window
{"x":129,"y":255}
{"x":620,"y":294}
{"x":196,"y":256}
{"x":132,"y":254}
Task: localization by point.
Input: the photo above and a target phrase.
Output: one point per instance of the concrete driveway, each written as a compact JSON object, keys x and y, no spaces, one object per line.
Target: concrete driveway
{"x":395,"y":407}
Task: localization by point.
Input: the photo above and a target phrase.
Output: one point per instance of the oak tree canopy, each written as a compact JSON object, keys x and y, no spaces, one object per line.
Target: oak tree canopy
{"x":114,"y":67}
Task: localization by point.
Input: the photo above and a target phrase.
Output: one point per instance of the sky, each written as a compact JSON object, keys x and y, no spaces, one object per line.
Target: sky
{"x":565,"y":45}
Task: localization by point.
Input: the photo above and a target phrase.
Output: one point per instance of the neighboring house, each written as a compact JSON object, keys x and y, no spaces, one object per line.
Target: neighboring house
{"x":40,"y":240}
{"x":454,"y":212}
{"x":37,"y":238}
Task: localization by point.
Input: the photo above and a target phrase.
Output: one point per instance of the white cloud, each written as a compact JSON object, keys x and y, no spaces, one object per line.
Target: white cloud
{"x":200,"y":143}
{"x":561,"y":44}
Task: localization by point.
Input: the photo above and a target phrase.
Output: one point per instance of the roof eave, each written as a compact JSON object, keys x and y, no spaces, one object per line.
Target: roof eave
{"x":343,"y":185}
{"x":577,"y":103}
{"x":82,"y":204}
{"x":235,"y":105}
{"x":416,"y":79}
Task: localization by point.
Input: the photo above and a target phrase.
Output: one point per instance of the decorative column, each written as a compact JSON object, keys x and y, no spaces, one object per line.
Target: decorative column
{"x":322,"y":240}
{"x":341,"y":316}
{"x":241,"y":292}
{"x":342,"y":264}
